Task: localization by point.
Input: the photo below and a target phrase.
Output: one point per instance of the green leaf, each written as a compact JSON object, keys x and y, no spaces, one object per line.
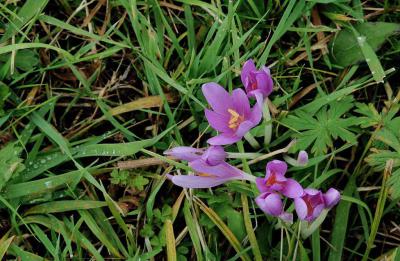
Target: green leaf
{"x":4,"y":93}
{"x":25,"y":59}
{"x":65,"y":205}
{"x":321,"y":129}
{"x":341,"y":221}
{"x":147,"y":231}
{"x":139,"y":182}
{"x":29,"y":10}
{"x":5,"y":244}
{"x":119,"y":177}
{"x":10,"y":163}
{"x":345,"y":48}
{"x":394,"y":183}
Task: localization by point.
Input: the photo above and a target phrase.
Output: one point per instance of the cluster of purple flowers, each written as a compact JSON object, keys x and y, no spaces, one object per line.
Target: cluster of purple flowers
{"x":232,"y":117}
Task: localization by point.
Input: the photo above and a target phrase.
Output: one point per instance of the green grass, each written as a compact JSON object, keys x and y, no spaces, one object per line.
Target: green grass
{"x":86,"y":88}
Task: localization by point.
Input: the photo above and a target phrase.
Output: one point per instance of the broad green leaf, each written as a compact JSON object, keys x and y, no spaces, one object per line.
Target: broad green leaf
{"x":345,"y":48}
{"x":394,"y":183}
{"x":10,"y":163}
{"x":22,"y":254}
{"x":64,"y":205}
{"x":377,"y":71}
{"x":25,"y":60}
{"x":323,"y":128}
{"x":40,"y":186}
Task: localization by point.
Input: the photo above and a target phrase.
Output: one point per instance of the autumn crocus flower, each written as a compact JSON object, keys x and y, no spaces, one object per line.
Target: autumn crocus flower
{"x":231,"y":114}
{"x":275,"y":180}
{"x":207,"y":176}
{"x":310,"y":205}
{"x":302,"y":158}
{"x":271,"y":204}
{"x":213,"y":155}
{"x":258,"y":83}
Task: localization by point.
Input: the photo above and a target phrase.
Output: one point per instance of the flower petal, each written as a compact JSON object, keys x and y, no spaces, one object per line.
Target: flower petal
{"x":223,"y":139}
{"x":331,"y":197}
{"x":218,"y":121}
{"x":316,"y":212}
{"x":270,"y":203}
{"x":188,"y":181}
{"x":222,"y":170}
{"x":264,"y":83}
{"x":256,"y":113}
{"x":277,"y":166}
{"x":248,"y":67}
{"x":260,"y":183}
{"x":302,"y":158}
{"x":241,"y":103}
{"x":184,"y":153}
{"x":266,"y":70}
{"x":301,"y":208}
{"x":214,"y":155}
{"x":312,"y":191}
{"x":292,"y":189}
{"x":287,"y":217}
{"x":259,"y":98}
{"x":244,"y":127}
{"x":218,"y":98}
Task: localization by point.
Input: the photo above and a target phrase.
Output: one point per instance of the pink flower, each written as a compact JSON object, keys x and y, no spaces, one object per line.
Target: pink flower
{"x":302,"y":158}
{"x":213,"y":155}
{"x":310,"y":205}
{"x":275,"y":180}
{"x":271,"y":204}
{"x":231,"y":114}
{"x":207,"y":176}
{"x":256,"y":82}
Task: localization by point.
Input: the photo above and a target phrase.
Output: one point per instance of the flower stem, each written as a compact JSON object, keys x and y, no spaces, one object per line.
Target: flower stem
{"x":244,"y":155}
{"x":309,"y":228}
{"x":297,"y":243}
{"x":252,"y":141}
{"x":291,"y":161}
{"x":383,"y":194}
{"x":267,"y":122}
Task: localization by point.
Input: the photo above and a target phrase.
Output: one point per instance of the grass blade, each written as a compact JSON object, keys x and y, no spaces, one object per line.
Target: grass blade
{"x":170,"y":240}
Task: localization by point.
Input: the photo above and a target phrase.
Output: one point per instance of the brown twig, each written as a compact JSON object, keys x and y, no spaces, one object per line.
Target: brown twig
{"x":306,"y":90}
{"x":140,"y":163}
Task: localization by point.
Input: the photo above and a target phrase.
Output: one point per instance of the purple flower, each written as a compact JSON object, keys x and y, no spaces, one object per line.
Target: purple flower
{"x":213,"y":155}
{"x":185,"y":153}
{"x":231,"y":114}
{"x":331,"y":197}
{"x":206,"y":176}
{"x":302,"y":158}
{"x":271,"y":204}
{"x":275,"y":180}
{"x":310,"y":205}
{"x":256,"y":82}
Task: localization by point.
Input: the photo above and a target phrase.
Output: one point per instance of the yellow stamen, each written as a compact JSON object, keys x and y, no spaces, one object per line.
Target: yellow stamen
{"x":205,"y":175}
{"x":235,"y":119}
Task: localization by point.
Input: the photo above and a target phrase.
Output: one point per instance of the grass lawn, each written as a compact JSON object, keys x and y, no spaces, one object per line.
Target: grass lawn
{"x":288,"y":111}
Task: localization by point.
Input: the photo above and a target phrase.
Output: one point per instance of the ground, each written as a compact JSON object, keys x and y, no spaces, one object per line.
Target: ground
{"x":93,"y":92}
